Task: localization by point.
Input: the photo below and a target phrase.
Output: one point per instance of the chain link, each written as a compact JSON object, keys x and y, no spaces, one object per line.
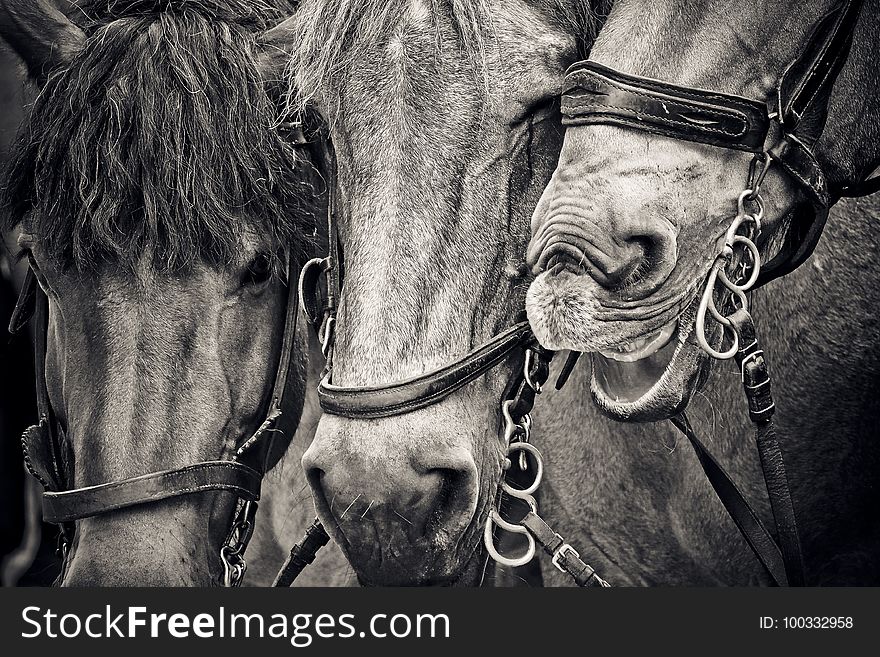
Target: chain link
{"x":734,"y":272}
{"x":232,"y":552}
{"x":517,"y":433}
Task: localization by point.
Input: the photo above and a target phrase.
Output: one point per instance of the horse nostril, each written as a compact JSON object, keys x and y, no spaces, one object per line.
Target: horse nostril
{"x":455,"y":503}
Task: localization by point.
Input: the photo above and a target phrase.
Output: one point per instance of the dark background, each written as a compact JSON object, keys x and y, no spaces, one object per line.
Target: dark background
{"x":18,"y":549}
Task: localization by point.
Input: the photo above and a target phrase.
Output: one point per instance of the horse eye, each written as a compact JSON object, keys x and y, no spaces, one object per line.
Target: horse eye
{"x":259,"y":270}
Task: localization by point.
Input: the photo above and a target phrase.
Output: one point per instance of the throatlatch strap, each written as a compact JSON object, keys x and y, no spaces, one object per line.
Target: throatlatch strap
{"x":302,"y":554}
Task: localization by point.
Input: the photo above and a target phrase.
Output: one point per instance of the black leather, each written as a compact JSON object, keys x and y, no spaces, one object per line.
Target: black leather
{"x":568,"y":560}
{"x":740,"y":511}
{"x":419,"y":392}
{"x":302,"y":554}
{"x":26,"y":305}
{"x":597,"y":94}
{"x":65,"y":506}
{"x":756,"y":384}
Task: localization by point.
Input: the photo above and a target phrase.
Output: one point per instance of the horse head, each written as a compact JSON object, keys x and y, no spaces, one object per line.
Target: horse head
{"x":687,"y":116}
{"x":162,"y":207}
{"x":445,"y":132}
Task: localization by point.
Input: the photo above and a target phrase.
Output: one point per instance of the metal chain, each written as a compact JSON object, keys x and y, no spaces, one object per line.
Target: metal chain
{"x":517,"y":434}
{"x":232,"y":552}
{"x":734,"y":272}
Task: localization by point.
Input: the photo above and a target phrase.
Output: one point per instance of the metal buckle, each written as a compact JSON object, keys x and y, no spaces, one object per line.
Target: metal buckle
{"x":564,"y":549}
{"x":750,"y":357}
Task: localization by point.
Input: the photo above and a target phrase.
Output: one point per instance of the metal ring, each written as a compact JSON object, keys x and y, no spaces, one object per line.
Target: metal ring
{"x":756,"y":262}
{"x":755,"y":197}
{"x":522,"y":492}
{"x":489,"y":541}
{"x":701,"y":326}
{"x":527,"y":371}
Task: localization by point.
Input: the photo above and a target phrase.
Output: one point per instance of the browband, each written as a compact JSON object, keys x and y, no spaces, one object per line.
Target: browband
{"x":421,"y":391}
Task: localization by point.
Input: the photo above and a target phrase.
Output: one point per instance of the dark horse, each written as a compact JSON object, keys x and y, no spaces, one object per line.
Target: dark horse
{"x":623,"y":240}
{"x":162,"y":207}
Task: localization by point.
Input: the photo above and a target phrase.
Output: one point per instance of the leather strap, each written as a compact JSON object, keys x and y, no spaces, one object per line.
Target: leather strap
{"x":267,"y":445}
{"x":302,"y":554}
{"x":421,"y":391}
{"x":60,"y":507}
{"x":598,"y":94}
{"x":26,"y":305}
{"x":756,"y":384}
{"x":740,"y":511}
{"x":565,"y":558}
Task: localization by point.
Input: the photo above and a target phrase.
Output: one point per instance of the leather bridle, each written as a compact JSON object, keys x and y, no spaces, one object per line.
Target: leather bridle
{"x":47,"y":457}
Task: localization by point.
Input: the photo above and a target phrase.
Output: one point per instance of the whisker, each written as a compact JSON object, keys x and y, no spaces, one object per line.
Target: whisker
{"x":350,"y":505}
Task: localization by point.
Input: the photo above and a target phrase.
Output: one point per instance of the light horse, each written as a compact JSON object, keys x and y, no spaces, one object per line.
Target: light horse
{"x":649,"y":199}
{"x":443,"y":121}
{"x":165,"y":214}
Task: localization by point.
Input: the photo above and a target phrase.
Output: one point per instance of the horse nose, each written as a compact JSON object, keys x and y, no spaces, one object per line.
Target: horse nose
{"x":637,"y":256}
{"x":398,"y":490}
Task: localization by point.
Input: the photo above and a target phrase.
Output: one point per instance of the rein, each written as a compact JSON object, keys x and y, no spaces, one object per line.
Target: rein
{"x":47,"y":457}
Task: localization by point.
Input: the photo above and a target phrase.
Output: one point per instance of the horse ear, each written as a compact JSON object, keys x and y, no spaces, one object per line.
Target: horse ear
{"x":275,"y":46}
{"x":39,"y":31}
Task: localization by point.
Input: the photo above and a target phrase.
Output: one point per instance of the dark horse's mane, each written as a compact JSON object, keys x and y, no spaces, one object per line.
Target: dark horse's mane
{"x":159,"y":136}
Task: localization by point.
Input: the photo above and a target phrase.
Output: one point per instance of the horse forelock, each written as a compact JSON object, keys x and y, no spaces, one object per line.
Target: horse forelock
{"x":159,"y":136}
{"x":328,"y":29}
{"x":256,"y":14}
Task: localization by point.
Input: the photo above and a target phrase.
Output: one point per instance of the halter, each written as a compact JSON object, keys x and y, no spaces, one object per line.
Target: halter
{"x":46,"y":453}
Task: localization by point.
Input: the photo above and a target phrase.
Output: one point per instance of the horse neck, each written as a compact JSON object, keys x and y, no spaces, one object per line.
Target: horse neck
{"x":850,"y":145}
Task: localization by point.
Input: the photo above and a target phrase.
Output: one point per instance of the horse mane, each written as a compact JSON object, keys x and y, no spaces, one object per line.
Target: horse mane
{"x":159,"y":137}
{"x":327,"y":27}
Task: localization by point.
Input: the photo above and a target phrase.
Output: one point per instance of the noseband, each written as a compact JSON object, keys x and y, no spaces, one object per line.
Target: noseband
{"x":46,"y":453}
